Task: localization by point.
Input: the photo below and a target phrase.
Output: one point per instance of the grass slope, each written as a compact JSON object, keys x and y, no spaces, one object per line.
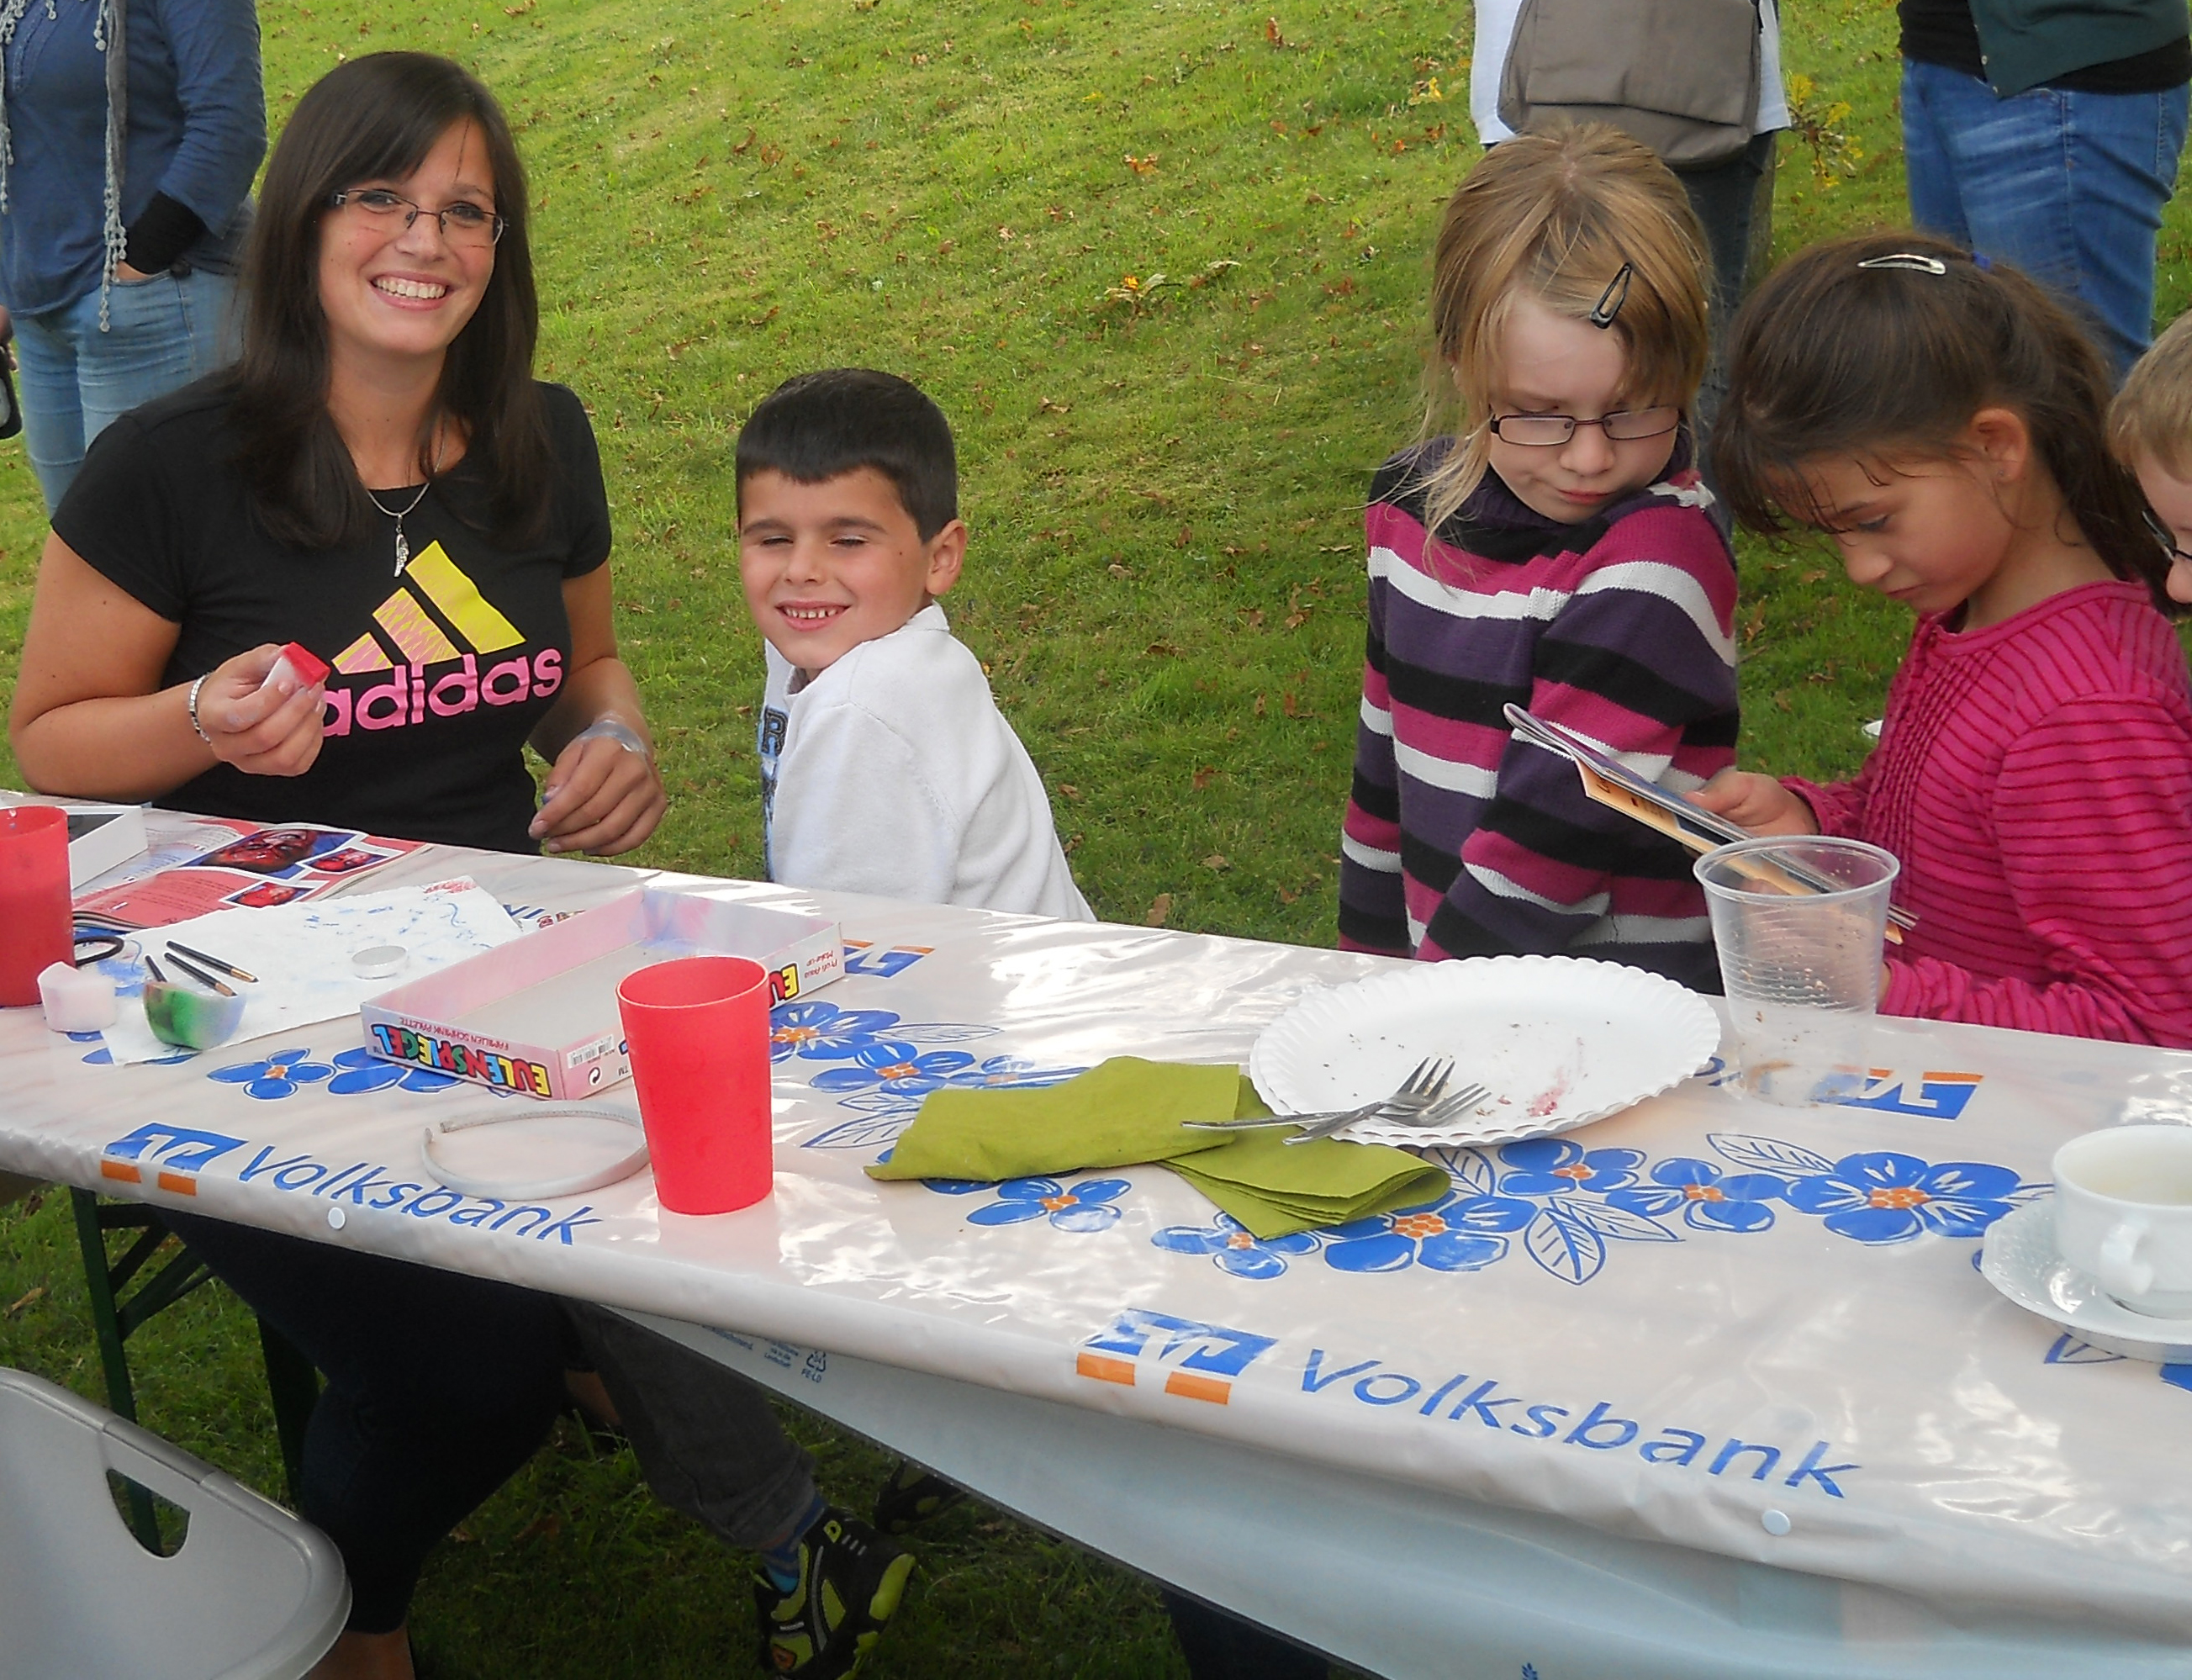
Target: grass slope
{"x":1165,"y":484}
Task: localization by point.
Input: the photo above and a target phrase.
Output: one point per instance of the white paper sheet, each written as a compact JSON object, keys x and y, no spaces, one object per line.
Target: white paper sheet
{"x":302,"y":954}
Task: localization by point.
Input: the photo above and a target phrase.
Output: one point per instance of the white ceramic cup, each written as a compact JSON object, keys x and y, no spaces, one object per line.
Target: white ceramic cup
{"x":2123,"y":1214}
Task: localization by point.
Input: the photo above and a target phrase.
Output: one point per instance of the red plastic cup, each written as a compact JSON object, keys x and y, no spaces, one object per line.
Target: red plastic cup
{"x":34,"y":898}
{"x":697,"y":1029}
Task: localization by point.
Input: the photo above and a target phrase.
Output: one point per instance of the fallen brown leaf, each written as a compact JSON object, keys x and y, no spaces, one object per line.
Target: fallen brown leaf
{"x":1160,"y":907}
{"x":28,"y":1298}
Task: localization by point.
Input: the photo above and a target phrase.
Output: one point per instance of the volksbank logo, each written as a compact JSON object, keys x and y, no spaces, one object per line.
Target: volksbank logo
{"x":174,"y":1155}
{"x":1196,"y":1360}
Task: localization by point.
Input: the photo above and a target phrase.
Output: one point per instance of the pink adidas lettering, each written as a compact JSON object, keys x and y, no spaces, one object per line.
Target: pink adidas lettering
{"x":407,"y":694}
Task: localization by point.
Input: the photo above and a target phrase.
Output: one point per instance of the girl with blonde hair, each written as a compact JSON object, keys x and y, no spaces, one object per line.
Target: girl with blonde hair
{"x":1552,"y":549}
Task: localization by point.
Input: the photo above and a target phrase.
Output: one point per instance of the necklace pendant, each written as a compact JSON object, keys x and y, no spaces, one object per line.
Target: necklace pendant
{"x":403,"y":550}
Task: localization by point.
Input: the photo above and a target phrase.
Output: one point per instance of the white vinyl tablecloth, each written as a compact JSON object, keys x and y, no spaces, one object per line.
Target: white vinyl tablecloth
{"x":1750,"y":1332}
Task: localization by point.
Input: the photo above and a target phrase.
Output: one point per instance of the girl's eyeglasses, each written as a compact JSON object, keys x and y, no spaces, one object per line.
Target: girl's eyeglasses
{"x":1541,"y":432}
{"x":2162,"y":534}
{"x":462,"y":223}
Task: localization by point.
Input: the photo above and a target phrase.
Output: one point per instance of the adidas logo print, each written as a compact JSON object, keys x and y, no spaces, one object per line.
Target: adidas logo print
{"x":436,"y":616}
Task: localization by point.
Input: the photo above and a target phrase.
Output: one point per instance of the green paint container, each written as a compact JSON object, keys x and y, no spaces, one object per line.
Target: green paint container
{"x":184,"y":1015}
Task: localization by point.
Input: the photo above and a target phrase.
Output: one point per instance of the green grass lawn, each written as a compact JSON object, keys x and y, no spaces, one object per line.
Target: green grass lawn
{"x":1165,"y":484}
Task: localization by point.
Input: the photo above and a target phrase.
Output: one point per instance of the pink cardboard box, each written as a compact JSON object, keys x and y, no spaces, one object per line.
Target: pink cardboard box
{"x":538,"y":1016}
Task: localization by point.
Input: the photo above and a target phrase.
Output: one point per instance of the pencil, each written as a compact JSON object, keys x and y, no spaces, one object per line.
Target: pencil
{"x":199,"y":974}
{"x":212,"y":962}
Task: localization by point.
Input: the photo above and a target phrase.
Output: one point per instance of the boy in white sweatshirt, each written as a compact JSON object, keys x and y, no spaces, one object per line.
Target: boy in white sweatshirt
{"x":886,"y":765}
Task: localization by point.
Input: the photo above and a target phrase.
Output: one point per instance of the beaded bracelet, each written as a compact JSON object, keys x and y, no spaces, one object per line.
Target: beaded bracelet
{"x":195,"y":724}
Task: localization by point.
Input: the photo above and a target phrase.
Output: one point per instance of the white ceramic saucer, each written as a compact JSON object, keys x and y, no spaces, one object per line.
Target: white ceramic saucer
{"x":2019,"y":1259}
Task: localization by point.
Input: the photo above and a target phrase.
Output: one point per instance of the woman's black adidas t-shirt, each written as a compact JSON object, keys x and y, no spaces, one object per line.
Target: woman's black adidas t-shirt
{"x":439,"y":674}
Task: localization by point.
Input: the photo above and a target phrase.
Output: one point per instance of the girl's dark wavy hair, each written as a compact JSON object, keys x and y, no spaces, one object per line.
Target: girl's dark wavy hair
{"x":375,"y":118}
{"x":1887,"y":366}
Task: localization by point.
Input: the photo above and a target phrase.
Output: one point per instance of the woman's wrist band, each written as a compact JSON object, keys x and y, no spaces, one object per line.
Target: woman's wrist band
{"x":610,"y":728}
{"x":195,"y":724}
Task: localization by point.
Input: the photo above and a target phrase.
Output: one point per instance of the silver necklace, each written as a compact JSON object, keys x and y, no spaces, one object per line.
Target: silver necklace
{"x":403,"y":543}
{"x":402,"y":546}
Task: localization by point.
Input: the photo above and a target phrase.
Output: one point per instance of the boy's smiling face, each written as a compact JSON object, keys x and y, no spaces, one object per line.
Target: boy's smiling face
{"x":831,"y":565}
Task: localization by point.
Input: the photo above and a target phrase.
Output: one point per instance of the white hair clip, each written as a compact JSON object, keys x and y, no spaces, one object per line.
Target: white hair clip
{"x":1910,"y":261}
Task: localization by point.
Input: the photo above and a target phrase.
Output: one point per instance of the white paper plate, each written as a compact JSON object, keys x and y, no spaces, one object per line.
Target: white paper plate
{"x":1559,"y":1042}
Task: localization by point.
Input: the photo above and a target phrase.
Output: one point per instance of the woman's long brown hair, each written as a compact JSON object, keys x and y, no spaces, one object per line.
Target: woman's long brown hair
{"x":375,"y":118}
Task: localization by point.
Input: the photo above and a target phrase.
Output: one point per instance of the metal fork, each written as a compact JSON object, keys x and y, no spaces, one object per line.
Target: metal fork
{"x":1434,"y":1114}
{"x":1419,"y":1091}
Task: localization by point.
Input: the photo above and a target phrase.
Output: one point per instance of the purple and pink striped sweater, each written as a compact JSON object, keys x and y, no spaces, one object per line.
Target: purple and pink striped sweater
{"x":1460,"y":840}
{"x":2035,"y":779}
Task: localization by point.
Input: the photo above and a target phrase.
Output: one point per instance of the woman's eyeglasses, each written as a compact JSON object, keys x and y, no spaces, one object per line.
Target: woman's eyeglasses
{"x":1541,"y":432}
{"x":2162,"y":534}
{"x":462,"y":223}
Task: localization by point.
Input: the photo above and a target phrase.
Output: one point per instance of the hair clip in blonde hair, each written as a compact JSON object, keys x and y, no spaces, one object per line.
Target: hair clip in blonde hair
{"x":1610,"y":299}
{"x":1908,"y":261}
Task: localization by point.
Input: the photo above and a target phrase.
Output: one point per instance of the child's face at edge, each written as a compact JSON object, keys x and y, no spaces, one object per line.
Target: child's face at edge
{"x":1552,"y":363}
{"x":2170,"y":499}
{"x":829,"y":566}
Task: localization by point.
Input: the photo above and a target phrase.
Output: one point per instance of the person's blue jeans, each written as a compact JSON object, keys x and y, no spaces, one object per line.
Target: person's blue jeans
{"x":2068,"y":186}
{"x":73,"y":379}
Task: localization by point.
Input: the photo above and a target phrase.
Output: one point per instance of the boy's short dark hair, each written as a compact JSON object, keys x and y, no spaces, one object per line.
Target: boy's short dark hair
{"x":818,"y":426}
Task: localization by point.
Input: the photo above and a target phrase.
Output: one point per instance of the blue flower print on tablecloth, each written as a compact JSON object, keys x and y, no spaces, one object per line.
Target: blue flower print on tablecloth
{"x":894,"y":1068}
{"x":1710,"y":1197}
{"x":1235,"y":1248}
{"x":1084,"y":1206}
{"x":358,"y":1071}
{"x":282,"y":1074}
{"x":1555,"y":1167}
{"x":820,"y":1031}
{"x":1461,"y":1232}
{"x":1885,"y":1197}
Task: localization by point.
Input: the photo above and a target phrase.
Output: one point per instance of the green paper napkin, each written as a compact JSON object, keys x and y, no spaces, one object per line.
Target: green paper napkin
{"x":1128,"y":1110}
{"x":1122,"y":1111}
{"x":1275,"y":1188}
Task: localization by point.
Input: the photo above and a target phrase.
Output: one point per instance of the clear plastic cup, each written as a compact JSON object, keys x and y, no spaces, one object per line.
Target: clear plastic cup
{"x":698,"y":1028}
{"x":1802,"y":968}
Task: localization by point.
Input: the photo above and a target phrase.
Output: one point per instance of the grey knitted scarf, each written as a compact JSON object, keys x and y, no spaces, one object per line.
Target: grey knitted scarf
{"x":108,"y":36}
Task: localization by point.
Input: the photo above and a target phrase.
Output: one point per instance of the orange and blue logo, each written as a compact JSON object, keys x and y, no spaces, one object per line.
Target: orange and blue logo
{"x":173,"y":1154}
{"x":1197,"y":1360}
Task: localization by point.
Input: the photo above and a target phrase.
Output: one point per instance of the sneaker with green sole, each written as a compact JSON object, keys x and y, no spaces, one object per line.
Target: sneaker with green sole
{"x":910,"y":1495}
{"x":850,"y":1581}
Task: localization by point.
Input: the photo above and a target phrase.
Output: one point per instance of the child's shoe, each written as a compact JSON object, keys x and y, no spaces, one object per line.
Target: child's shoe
{"x":850,"y":1581}
{"x":910,"y":1495}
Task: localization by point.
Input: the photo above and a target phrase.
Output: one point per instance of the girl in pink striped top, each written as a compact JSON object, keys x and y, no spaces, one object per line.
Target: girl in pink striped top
{"x":1944,"y":421}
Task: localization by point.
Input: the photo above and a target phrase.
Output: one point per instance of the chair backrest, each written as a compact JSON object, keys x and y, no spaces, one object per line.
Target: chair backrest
{"x":252,"y":1594}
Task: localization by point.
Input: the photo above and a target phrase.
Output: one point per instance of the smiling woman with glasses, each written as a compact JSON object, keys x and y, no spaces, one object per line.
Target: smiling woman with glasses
{"x":462,"y":223}
{"x":381,"y":479}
